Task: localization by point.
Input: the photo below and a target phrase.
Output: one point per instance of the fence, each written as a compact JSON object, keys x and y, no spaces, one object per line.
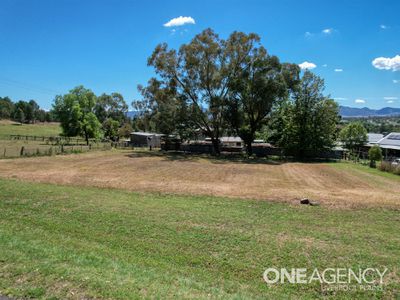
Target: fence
{"x":42,"y":150}
{"x":51,"y":139}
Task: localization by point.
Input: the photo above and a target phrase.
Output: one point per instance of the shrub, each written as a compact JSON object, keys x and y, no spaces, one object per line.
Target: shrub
{"x":385,"y":166}
{"x":374,"y":154}
{"x":396,"y":170}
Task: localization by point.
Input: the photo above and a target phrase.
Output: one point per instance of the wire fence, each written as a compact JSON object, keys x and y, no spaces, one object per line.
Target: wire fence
{"x":50,"y":139}
{"x":29,"y":150}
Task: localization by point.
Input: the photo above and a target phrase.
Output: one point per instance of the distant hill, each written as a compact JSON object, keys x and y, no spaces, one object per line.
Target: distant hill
{"x":346,"y":111}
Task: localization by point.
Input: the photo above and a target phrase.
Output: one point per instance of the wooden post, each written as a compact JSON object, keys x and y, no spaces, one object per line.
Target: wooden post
{"x":5,"y":152}
{"x":21,"y":153}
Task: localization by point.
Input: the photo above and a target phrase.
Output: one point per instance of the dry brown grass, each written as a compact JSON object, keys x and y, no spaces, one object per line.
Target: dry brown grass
{"x":141,"y":171}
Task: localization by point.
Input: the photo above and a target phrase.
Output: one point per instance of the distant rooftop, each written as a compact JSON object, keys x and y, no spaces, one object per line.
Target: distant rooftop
{"x":146,"y":133}
{"x":391,"y":141}
{"x":373,"y":138}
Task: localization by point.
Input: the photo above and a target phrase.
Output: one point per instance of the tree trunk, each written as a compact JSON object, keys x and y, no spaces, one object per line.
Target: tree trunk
{"x":87,"y":138}
{"x":249,"y":148}
{"x":215,"y":143}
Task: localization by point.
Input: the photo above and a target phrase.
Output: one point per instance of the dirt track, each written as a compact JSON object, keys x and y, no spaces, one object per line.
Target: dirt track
{"x":348,"y":187}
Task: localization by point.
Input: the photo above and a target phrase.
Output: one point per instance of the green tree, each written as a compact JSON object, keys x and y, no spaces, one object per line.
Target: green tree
{"x":254,"y":92}
{"x":111,"y":106}
{"x":40,"y":115}
{"x":353,"y":136}
{"x":75,"y":112}
{"x":374,"y":155}
{"x":307,"y":120}
{"x":21,"y":106}
{"x":125,"y":130}
{"x":19,"y":115}
{"x":32,"y":109}
{"x":162,"y":110}
{"x":201,"y":73}
{"x":6,"y":108}
{"x":110,"y":129}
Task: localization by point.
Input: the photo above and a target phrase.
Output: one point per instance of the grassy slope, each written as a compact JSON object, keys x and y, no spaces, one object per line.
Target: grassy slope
{"x":40,"y":129}
{"x":71,"y":242}
{"x":354,"y":167}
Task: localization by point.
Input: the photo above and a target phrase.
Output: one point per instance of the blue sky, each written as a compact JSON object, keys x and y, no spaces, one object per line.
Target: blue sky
{"x":48,"y":47}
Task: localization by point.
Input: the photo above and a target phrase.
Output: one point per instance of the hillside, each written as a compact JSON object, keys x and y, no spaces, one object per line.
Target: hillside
{"x":346,"y":111}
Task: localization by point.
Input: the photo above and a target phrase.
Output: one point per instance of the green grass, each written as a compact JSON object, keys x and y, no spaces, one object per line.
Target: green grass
{"x":40,"y":129}
{"x":350,"y":166}
{"x":71,"y":242}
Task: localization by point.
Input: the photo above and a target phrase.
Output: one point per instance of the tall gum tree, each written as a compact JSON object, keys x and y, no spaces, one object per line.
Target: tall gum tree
{"x":201,"y":72}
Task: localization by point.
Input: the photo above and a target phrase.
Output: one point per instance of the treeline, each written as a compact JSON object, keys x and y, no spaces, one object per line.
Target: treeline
{"x":24,"y":111}
{"x":215,"y":87}
{"x":82,"y":113}
{"x":378,"y":124}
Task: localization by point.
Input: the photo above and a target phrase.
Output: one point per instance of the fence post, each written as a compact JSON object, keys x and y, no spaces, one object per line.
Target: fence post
{"x":22,"y":151}
{"x":5,"y":152}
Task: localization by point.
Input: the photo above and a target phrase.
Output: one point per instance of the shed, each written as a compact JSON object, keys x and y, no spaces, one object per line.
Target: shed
{"x":146,"y":139}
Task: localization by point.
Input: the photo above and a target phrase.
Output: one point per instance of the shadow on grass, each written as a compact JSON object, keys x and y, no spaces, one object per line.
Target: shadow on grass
{"x":221,"y":159}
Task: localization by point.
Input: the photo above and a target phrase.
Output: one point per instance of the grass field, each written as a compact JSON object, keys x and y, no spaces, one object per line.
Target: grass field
{"x":39,"y":129}
{"x":334,"y":184}
{"x":78,"y":243}
{"x":139,"y":224}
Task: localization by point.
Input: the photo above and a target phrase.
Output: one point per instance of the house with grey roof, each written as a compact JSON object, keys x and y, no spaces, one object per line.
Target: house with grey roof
{"x":390,"y":144}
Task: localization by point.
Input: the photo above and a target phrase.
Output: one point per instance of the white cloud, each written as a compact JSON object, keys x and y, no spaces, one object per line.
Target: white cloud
{"x":340,"y":98}
{"x":179,"y":21}
{"x":327,"y":31}
{"x":359,"y":101}
{"x":307,"y":65}
{"x":308,"y":34}
{"x":387,"y":63}
{"x":390,"y":98}
{"x":324,"y":65}
{"x":390,"y":101}
{"x":396,"y":81}
{"x":383,"y":26}
{"x":338,"y":70}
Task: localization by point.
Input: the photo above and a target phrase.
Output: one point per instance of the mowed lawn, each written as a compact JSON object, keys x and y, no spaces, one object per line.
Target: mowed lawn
{"x":84,"y":242}
{"x":39,"y":129}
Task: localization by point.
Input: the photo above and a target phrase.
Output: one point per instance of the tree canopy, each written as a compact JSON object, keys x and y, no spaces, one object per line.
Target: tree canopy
{"x":353,"y":136}
{"x":201,"y":76}
{"x":305,"y":125}
{"x":111,"y":106}
{"x":233,"y":86}
{"x":76,"y":113}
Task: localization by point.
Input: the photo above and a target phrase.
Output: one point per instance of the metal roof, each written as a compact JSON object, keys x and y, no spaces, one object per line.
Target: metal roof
{"x":146,"y":133}
{"x":374,"y":137}
{"x":392,"y":139}
{"x":233,"y":139}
